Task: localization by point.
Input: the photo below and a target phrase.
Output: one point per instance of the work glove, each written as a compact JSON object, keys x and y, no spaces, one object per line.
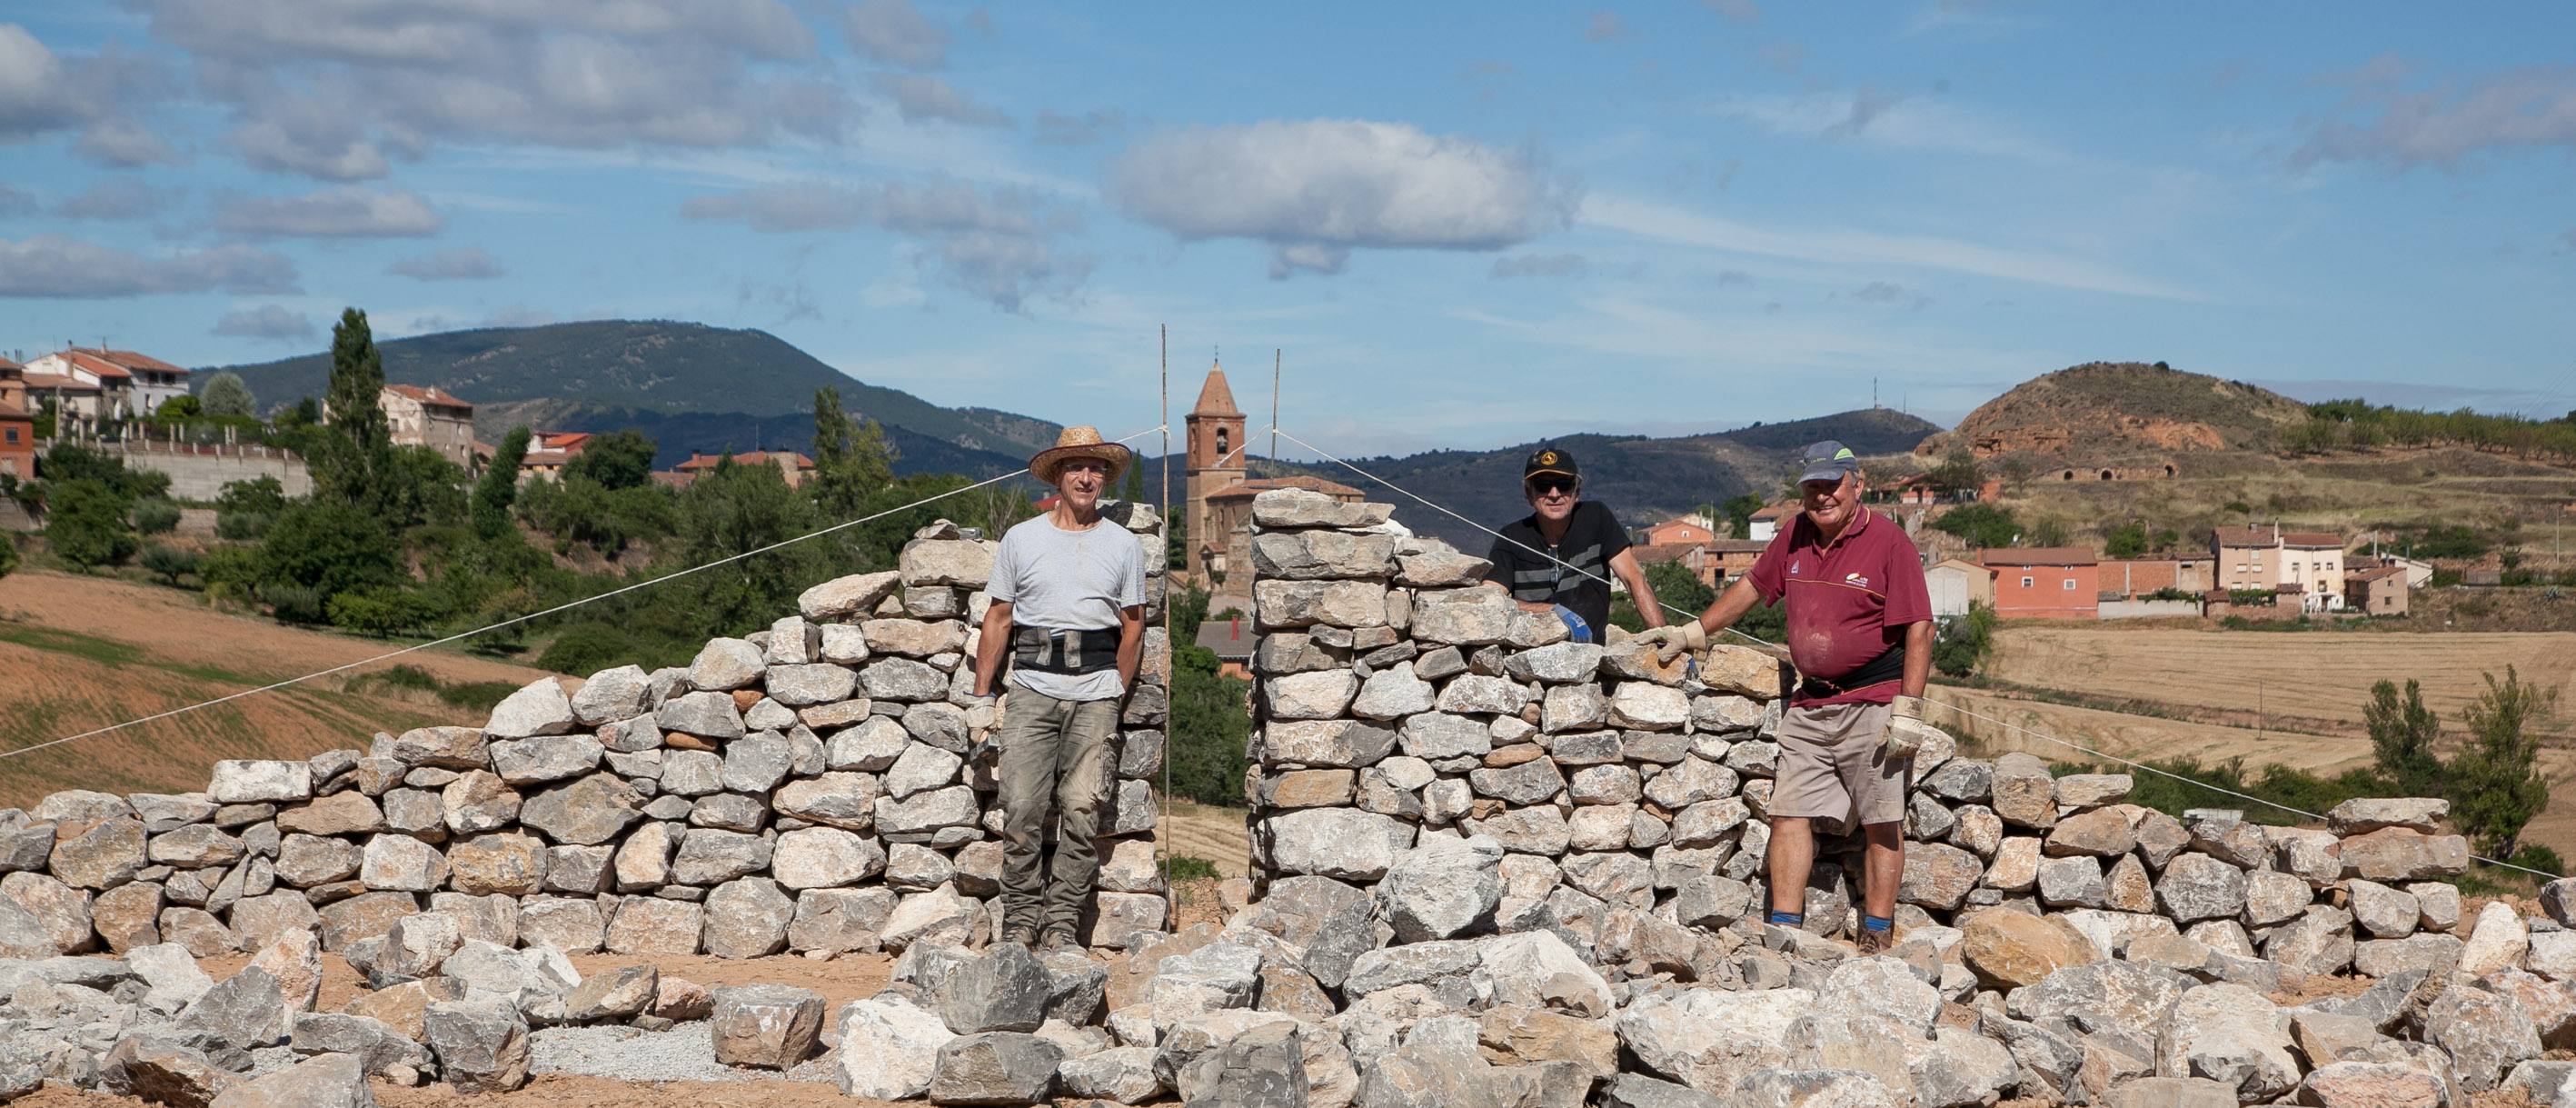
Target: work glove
{"x":1672,"y":641}
{"x":1906,"y":731}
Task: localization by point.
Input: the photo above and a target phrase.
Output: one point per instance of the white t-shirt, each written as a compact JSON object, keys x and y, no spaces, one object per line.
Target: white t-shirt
{"x":1068,"y":581}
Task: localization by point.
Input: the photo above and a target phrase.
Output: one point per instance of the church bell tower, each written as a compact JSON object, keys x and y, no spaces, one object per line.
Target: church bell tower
{"x":1215,"y":461}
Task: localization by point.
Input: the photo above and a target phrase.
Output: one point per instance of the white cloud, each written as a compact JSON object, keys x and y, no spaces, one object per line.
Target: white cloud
{"x":922,"y":98}
{"x":333,"y":91}
{"x":35,"y":92}
{"x":468,"y":264}
{"x":345,"y":212}
{"x":2524,"y":110}
{"x":894,"y":32}
{"x":268,"y":321}
{"x":51,"y":266}
{"x":1315,"y":190}
{"x":115,"y":198}
{"x":1875,"y":117}
{"x":998,"y":246}
{"x":41,"y":93}
{"x":1849,"y":247}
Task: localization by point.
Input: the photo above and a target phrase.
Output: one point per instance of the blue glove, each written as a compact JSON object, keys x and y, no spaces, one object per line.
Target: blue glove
{"x":1574,"y":623}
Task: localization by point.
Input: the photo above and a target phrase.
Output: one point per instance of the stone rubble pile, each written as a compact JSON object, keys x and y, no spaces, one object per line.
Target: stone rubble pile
{"x":803,"y":789}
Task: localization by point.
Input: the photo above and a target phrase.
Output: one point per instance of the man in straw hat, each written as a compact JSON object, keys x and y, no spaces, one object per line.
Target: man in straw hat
{"x":1068,"y":601}
{"x":1860,"y":630}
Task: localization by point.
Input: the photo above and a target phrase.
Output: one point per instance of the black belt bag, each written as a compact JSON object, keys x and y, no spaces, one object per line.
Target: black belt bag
{"x":1888,"y":666}
{"x":1069,"y":652}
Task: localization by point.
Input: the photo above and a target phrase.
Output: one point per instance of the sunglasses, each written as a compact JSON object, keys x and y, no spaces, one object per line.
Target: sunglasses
{"x":1542,"y":486}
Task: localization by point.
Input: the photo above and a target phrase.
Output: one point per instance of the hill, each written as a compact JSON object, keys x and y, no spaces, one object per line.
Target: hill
{"x":1645,"y":480}
{"x":603,"y":374}
{"x":87,"y":652}
{"x":2122,"y":412}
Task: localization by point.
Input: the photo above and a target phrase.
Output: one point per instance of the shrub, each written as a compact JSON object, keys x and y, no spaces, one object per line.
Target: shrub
{"x":86,"y":523}
{"x":171,"y":563}
{"x":294,"y":603}
{"x":586,"y":648}
{"x":156,"y":517}
{"x":1983,"y":525}
{"x":1186,"y":867}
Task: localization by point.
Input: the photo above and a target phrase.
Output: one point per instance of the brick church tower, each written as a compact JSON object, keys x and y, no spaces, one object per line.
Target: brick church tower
{"x":1215,"y":462}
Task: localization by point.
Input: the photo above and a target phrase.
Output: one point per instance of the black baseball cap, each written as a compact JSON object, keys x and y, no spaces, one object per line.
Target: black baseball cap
{"x":1826,"y":461}
{"x":1550,"y":459}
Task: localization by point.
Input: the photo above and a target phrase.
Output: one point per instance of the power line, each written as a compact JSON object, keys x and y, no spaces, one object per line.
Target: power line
{"x":514,"y":620}
{"x":1961,"y":709}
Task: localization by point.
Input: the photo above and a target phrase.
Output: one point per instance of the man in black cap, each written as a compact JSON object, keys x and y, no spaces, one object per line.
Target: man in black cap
{"x":1559,"y":557}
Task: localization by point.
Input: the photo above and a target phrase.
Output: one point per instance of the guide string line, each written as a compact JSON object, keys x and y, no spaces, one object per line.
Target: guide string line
{"x":1961,"y":709}
{"x":559,"y":608}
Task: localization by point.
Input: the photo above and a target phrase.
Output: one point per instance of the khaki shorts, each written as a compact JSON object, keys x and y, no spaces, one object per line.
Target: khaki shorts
{"x":1831,"y":767}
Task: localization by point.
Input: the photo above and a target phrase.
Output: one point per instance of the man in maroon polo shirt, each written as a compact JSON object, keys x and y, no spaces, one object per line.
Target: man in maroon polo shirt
{"x":1860,"y":631}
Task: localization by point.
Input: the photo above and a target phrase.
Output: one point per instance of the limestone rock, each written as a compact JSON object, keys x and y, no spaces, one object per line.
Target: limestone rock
{"x":766,"y":1026}
{"x":889,"y":1048}
{"x":996,"y":1067}
{"x":2009,"y":949}
{"x":482,"y":1045}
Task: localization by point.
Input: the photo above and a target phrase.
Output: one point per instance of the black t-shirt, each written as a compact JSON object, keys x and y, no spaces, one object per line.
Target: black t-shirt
{"x":1592,"y":538}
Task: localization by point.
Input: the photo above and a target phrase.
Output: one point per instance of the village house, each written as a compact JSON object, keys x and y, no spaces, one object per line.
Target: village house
{"x":13,"y":383}
{"x":2135,"y":577}
{"x":1677,"y":531}
{"x":2275,"y":560}
{"x":1766,"y":523}
{"x":2047,"y":582}
{"x":1957,"y":583}
{"x":792,"y":466}
{"x":17,"y":441}
{"x":431,"y":417}
{"x":2376,"y":590}
{"x":1714,"y":562}
{"x":549,"y":452}
{"x":1231,"y":640}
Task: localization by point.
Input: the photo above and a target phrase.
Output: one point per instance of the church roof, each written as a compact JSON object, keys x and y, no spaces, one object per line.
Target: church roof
{"x":1215,"y":398}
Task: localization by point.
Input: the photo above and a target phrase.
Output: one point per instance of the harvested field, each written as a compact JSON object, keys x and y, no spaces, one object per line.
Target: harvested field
{"x":1205,"y":831}
{"x":86,"y":652}
{"x":2308,"y":676}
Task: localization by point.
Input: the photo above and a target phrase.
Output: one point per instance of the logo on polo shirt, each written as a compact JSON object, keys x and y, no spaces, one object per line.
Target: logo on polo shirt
{"x":1856,"y":579}
{"x":1793,"y":567}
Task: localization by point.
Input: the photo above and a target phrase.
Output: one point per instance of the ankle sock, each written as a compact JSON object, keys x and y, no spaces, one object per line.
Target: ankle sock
{"x":1788,"y":919}
{"x":1877,"y":923}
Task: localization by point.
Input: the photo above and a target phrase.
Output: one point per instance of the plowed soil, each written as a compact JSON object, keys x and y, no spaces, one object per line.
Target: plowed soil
{"x":89,"y":652}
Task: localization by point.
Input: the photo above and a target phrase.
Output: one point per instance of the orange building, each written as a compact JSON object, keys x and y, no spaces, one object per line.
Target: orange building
{"x":17,"y":441}
{"x":1678,"y":531}
{"x":2048,"y":582}
{"x":793,"y":466}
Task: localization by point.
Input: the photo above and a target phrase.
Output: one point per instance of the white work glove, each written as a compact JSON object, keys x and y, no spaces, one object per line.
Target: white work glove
{"x":1906,"y":731}
{"x":1670,"y":642}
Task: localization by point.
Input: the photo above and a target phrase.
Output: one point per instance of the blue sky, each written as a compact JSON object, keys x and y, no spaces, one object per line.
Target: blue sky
{"x":1467,"y":225}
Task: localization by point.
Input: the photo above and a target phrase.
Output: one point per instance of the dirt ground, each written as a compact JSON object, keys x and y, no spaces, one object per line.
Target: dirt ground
{"x":89,"y":652}
{"x":2286,"y":675}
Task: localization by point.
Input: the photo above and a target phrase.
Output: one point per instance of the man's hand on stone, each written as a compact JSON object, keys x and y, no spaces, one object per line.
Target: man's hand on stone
{"x":1673,"y":641}
{"x":1906,"y":731}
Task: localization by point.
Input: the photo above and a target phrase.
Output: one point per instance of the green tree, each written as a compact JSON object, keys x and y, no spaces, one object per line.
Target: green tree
{"x":354,"y":463}
{"x":735,"y":509}
{"x":380,"y":610}
{"x":155,"y":516}
{"x":1963,"y":645}
{"x":500,"y":484}
{"x":85,"y":521}
{"x":244,"y":509}
{"x":330,"y":548}
{"x":183,"y":406}
{"x":1738,"y":511}
{"x":2402,"y":735}
{"x":226,"y":394}
{"x":852,"y":459}
{"x":1674,"y":585}
{"x":1957,"y":473}
{"x":422,"y":487}
{"x":169,"y":562}
{"x":616,"y":460}
{"x":2126,"y":541}
{"x":1982,"y":525}
{"x":1211,"y":718}
{"x":2495,"y":782}
{"x":8,"y":554}
{"x":1134,"y":490}
{"x":2049,"y":532}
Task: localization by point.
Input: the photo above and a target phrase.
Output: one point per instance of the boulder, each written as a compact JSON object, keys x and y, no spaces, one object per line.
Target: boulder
{"x":2233,"y":1035}
{"x":1441,"y":888}
{"x":995,"y":1067}
{"x":322,"y":1081}
{"x":163,"y":1072}
{"x":2009,"y":949}
{"x":766,"y":1026}
{"x":1004,"y":989}
{"x":889,"y":1048}
{"x":482,"y":1045}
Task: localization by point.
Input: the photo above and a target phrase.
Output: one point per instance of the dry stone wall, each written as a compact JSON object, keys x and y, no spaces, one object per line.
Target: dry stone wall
{"x":802,"y":788}
{"x":1403,"y":707}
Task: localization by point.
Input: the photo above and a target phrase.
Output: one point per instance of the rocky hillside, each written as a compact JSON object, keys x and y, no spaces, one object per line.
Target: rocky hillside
{"x":2111,"y":412}
{"x":693,"y":386}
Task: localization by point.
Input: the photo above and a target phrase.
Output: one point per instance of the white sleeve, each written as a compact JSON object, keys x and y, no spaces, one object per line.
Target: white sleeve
{"x":1004,"y":586}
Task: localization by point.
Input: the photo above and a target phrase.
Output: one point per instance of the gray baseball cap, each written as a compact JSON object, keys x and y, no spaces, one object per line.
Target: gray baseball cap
{"x":1826,"y":461}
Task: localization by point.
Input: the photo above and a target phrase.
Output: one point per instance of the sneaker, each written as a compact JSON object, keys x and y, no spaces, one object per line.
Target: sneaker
{"x":1059,"y":938}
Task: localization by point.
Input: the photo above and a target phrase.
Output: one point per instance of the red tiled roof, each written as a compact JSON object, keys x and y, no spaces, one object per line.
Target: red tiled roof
{"x":9,"y":409}
{"x":2037,"y":556}
{"x":562,"y":440}
{"x":1775,"y":511}
{"x":95,"y":364}
{"x":698,"y":462}
{"x":2374,"y":573}
{"x":1215,"y":398}
{"x":47,"y":382}
{"x":131,"y":360}
{"x":1229,"y":638}
{"x":431,"y":395}
{"x":1259,"y":485}
{"x":7,"y":364}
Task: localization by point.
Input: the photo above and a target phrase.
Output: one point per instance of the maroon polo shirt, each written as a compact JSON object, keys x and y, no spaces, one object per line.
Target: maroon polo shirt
{"x":1848,"y":600}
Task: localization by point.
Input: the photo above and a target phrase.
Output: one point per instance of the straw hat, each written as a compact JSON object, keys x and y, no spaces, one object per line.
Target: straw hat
{"x":1079,"y":442}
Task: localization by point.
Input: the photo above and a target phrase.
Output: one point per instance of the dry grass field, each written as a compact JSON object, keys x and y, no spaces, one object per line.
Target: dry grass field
{"x":2318,"y":678}
{"x":1212,"y":833}
{"x":87,"y":652}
